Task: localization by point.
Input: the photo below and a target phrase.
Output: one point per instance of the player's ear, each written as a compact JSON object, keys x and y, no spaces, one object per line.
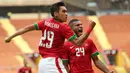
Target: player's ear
{"x":55,"y":14}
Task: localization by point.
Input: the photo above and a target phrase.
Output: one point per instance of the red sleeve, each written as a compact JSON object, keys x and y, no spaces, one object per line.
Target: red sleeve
{"x":39,"y":25}
{"x":65,"y":55}
{"x":68,"y":32}
{"x":94,"y":51}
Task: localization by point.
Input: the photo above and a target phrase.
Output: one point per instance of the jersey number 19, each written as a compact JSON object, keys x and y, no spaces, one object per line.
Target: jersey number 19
{"x":49,"y":36}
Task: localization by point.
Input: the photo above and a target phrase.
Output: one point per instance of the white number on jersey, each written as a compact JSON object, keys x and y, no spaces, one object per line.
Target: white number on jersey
{"x":48,"y":35}
{"x":80,"y":51}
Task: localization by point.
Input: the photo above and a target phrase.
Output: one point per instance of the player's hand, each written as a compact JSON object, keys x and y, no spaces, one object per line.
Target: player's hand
{"x":7,"y":39}
{"x":92,"y":23}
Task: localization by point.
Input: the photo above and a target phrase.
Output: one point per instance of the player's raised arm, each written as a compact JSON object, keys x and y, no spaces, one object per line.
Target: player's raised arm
{"x":80,"y":40}
{"x":20,"y":31}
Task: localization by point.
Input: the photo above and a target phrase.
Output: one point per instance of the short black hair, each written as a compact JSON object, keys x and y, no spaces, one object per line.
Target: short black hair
{"x":71,"y":21}
{"x":56,"y":7}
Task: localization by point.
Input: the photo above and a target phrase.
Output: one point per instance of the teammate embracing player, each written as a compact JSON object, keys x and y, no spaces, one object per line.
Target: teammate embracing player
{"x":54,"y":32}
{"x":79,"y":57}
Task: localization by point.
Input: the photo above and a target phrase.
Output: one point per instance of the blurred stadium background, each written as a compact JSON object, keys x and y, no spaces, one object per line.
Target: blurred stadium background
{"x":111,"y":34}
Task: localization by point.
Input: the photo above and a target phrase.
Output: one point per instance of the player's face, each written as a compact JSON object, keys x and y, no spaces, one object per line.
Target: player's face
{"x":62,"y":14}
{"x":78,"y":28}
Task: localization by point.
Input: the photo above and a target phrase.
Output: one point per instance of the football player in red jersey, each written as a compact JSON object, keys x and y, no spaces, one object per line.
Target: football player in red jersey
{"x":25,"y":68}
{"x":54,"y":32}
{"x":79,"y":57}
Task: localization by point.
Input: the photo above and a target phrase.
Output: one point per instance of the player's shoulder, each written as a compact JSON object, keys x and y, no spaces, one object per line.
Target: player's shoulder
{"x":89,"y":40}
{"x":65,"y":25}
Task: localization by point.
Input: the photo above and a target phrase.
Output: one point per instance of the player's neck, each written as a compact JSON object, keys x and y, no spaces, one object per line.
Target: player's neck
{"x":58,"y":20}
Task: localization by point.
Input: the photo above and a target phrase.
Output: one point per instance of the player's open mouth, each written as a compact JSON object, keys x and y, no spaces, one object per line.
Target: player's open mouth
{"x":80,"y":30}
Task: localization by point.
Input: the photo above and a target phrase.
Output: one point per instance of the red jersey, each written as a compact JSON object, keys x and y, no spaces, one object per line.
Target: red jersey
{"x":25,"y":70}
{"x":80,"y":56}
{"x":53,"y":37}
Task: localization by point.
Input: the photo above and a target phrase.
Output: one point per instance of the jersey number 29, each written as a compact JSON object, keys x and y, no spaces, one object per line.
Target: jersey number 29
{"x":49,"y":36}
